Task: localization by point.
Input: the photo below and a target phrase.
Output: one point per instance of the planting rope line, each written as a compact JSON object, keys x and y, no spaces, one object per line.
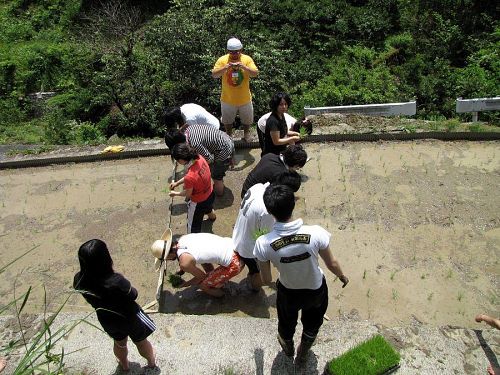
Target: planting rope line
{"x":163,"y":267}
{"x":314,"y":138}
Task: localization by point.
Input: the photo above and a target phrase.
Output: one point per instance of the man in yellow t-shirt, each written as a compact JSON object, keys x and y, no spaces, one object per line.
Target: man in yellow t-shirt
{"x":235,"y":69}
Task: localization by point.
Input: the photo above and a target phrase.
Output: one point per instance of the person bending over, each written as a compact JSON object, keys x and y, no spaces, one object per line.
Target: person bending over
{"x":195,"y":249}
{"x":214,"y":145}
{"x":271,"y":165}
{"x":253,"y":220}
{"x":187,"y":115}
{"x":197,"y":186}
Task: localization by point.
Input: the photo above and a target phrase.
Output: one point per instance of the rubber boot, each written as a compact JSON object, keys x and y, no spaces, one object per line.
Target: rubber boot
{"x":287,"y":346}
{"x":305,"y":344}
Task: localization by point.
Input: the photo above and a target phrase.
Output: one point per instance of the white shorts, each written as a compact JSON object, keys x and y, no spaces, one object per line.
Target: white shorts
{"x":229,"y":113}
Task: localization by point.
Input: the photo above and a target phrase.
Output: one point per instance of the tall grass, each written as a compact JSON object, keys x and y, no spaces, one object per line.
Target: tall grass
{"x":38,"y":354}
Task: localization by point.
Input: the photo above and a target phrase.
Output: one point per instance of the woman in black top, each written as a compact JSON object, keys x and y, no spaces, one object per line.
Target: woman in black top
{"x":277,"y":135}
{"x":113,"y":297}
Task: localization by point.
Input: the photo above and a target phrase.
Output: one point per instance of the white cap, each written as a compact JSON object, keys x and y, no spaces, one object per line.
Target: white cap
{"x":234,"y":44}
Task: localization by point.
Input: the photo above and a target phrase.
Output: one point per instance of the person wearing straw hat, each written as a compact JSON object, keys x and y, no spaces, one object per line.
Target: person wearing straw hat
{"x":161,"y":248}
{"x":194,"y":249}
{"x":235,"y":69}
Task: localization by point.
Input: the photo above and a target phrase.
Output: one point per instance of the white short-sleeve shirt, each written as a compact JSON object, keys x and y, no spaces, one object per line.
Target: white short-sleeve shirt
{"x":196,"y":114}
{"x":207,"y":248}
{"x":290,"y":120}
{"x":293,"y":248}
{"x":252,"y":217}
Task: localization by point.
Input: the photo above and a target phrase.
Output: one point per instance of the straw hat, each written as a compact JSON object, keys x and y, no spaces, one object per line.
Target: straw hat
{"x":161,"y":248}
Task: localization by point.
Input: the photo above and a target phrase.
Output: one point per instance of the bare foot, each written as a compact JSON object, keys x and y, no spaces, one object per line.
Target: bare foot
{"x":124,"y":367}
{"x":212,"y":216}
{"x":3,"y":363}
{"x":490,"y":370}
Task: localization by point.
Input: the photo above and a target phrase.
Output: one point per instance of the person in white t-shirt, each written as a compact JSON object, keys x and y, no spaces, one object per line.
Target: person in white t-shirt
{"x":253,"y":220}
{"x":294,"y":249}
{"x":189,"y":114}
{"x":205,"y":248}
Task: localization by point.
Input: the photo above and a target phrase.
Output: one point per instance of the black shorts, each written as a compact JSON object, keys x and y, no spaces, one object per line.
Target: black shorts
{"x":252,"y":265}
{"x":138,"y":327}
{"x":218,"y":168}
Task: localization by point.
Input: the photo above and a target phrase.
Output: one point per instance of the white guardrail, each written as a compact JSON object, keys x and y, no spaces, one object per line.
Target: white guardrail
{"x":386,"y":109}
{"x":477,"y":105}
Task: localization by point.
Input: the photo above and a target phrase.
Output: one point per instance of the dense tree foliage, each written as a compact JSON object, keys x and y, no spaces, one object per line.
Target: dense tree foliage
{"x":114,"y":66}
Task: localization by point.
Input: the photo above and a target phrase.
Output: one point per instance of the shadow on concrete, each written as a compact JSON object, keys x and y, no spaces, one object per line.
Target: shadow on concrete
{"x":136,"y":368}
{"x":490,"y":354}
{"x":238,"y":297}
{"x":285,"y":365}
{"x":259,"y":361}
{"x":282,"y":365}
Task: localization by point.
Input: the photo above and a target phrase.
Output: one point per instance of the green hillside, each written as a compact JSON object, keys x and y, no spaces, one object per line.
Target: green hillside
{"x":114,"y":66}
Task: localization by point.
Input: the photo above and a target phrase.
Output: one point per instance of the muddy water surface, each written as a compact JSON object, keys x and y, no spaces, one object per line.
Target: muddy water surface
{"x":415,"y":225}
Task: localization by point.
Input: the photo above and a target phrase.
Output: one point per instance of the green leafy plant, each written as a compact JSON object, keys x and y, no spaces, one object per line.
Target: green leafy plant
{"x":303,"y":132}
{"x":374,"y":356}
{"x":39,"y":354}
{"x":259,"y":232}
{"x":395,"y":294}
{"x":31,"y":151}
{"x":393,"y":275}
{"x":175,"y":280}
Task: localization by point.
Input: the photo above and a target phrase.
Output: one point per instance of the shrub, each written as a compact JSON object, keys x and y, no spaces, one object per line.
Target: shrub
{"x":87,"y":133}
{"x":58,"y":129}
{"x":353,"y":78}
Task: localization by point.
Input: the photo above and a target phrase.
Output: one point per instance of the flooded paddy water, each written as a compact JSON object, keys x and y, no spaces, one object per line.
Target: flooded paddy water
{"x":415,"y":226}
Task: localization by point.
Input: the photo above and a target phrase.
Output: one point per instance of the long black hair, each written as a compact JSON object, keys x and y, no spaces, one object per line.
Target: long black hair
{"x":276,"y":100}
{"x":95,"y":263}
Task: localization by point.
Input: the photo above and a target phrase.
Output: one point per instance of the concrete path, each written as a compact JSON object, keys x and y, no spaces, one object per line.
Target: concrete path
{"x":218,"y":344}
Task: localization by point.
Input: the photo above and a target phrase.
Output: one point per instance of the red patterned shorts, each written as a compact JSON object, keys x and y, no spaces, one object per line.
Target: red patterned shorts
{"x":221,"y":274}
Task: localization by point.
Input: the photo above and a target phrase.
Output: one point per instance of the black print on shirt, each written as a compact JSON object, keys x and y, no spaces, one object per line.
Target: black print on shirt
{"x":295,"y":258}
{"x":289,"y":240}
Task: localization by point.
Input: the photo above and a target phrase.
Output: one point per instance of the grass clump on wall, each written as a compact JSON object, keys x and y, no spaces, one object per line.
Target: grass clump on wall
{"x":374,"y":356}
